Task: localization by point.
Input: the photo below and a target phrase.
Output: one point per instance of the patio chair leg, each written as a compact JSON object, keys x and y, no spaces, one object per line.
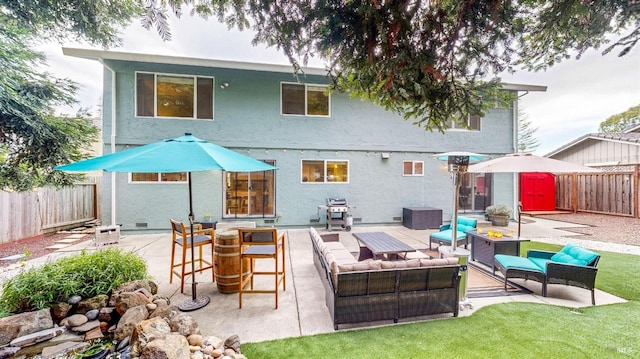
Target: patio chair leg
{"x":593,"y":297}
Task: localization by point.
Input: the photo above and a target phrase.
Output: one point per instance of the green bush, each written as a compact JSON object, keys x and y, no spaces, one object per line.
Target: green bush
{"x":84,"y":274}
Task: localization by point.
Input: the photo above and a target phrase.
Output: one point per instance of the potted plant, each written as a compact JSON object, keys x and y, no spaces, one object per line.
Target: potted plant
{"x":499,"y":214}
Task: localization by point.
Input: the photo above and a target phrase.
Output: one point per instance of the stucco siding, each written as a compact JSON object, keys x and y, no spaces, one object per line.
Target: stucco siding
{"x":247,"y":119}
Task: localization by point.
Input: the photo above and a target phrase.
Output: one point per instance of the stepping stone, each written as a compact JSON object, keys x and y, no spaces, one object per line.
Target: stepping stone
{"x":76,"y":235}
{"x":13,"y":257}
{"x":68,"y":240}
{"x":58,"y":246}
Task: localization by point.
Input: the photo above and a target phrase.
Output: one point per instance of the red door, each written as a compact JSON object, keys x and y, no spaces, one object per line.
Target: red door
{"x":538,"y":191}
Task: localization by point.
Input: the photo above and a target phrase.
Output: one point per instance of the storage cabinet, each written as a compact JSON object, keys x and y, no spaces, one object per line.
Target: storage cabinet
{"x":422,"y":217}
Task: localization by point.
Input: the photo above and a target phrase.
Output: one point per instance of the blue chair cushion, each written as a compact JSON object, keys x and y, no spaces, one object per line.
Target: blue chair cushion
{"x":466,"y":221}
{"x":515,"y":262}
{"x":446,"y":235}
{"x":540,"y":262}
{"x":572,"y":254}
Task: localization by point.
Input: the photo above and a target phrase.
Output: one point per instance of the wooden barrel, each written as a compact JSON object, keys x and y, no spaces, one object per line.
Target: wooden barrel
{"x":226,"y":259}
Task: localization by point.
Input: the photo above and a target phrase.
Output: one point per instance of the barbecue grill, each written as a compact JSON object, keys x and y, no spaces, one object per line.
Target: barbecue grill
{"x":338,"y":213}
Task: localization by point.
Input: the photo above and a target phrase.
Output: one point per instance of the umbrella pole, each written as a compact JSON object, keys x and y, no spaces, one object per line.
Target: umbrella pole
{"x":203,"y":300}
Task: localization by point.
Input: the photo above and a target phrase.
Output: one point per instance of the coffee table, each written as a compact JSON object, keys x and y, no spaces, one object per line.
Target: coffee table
{"x":484,"y":248}
{"x":380,"y":245}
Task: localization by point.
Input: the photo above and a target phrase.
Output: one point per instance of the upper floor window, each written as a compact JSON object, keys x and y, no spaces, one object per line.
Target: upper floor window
{"x":472,"y":124}
{"x":159,"y":177}
{"x":413,"y":168}
{"x":323,"y":171}
{"x":160,"y":95}
{"x":304,"y":99}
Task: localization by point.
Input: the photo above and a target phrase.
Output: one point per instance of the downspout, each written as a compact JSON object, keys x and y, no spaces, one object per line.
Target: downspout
{"x":113,"y":138}
{"x":516,"y":145}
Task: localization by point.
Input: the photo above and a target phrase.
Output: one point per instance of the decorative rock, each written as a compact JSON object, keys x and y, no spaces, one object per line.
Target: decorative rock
{"x":217,"y":353}
{"x":229,"y":352}
{"x":107,"y":314}
{"x":8,"y":352}
{"x":172,"y":346}
{"x":146,"y":293}
{"x":208,"y":350}
{"x":60,"y":310}
{"x":127,"y":300}
{"x":147,"y":331}
{"x":86,"y":326}
{"x":37,"y":337}
{"x":74,"y":299}
{"x":197,"y":355}
{"x":184,"y":324}
{"x":98,"y":302}
{"x":129,"y":320}
{"x":194,"y":348}
{"x":132,"y":287}
{"x":161,"y":300}
{"x":151,"y":307}
{"x":77,"y":320}
{"x":233,"y":342}
{"x":92,"y":314}
{"x":165,"y":311}
{"x":23,"y":324}
{"x":214,"y":342}
{"x":195,"y":339}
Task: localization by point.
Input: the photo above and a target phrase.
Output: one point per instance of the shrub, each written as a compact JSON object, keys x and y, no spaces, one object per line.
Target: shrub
{"x":84,"y":274}
{"x":498,"y":210}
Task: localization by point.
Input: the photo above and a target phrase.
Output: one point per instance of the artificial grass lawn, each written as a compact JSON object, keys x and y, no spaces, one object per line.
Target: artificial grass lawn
{"x":510,"y":330}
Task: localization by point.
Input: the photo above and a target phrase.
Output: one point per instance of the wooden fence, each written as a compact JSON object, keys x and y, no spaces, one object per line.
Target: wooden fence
{"x":29,"y":214}
{"x":613,"y":193}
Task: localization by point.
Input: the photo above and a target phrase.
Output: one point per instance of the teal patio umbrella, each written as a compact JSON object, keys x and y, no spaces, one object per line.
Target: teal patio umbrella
{"x":182,"y":154}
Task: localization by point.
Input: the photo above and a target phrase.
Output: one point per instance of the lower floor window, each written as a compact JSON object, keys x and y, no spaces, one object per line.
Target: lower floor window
{"x":325,"y":171}
{"x":249,"y":194}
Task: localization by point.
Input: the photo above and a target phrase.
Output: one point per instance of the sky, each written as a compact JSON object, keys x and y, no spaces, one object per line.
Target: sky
{"x":580,"y":93}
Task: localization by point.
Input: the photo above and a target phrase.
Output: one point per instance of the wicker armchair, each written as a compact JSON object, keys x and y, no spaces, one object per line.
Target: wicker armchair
{"x":539,"y":266}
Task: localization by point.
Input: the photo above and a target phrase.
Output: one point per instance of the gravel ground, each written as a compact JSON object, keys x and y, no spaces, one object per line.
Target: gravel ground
{"x":602,"y":228}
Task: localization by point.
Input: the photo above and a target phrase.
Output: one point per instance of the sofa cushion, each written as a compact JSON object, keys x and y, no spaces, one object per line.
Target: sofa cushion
{"x":513,"y":262}
{"x":464,"y":228}
{"x":438,"y":262}
{"x":572,"y":254}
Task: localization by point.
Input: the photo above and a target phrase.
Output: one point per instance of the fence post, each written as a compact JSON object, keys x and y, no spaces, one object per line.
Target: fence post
{"x":635,"y":197}
{"x":574,"y":193}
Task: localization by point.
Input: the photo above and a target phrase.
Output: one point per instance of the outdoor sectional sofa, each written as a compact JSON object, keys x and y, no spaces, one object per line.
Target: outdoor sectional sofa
{"x":572,"y":265}
{"x":374,"y":290}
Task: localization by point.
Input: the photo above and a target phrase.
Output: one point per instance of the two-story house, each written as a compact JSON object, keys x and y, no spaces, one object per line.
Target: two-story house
{"x":324,"y":145}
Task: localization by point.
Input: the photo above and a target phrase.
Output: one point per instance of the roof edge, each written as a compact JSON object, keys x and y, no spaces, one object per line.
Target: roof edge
{"x":523,"y":87}
{"x":98,"y":55}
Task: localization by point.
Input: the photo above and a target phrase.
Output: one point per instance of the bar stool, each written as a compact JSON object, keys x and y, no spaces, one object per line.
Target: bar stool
{"x":261,"y":243}
{"x":183,"y":238}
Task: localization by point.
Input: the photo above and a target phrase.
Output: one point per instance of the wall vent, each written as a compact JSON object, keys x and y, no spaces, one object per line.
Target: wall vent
{"x":141,"y":225}
{"x":397,"y":219}
{"x":268,"y":221}
{"x":314,"y":220}
{"x":357,"y":220}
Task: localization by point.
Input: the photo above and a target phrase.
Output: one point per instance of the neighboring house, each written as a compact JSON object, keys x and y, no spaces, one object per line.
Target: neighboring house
{"x":608,"y":151}
{"x":325,"y":145}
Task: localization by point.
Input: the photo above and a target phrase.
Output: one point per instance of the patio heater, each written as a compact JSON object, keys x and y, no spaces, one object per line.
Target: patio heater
{"x":457,"y":164}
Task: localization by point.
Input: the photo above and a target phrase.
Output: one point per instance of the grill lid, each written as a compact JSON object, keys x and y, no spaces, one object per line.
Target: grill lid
{"x":336,"y":202}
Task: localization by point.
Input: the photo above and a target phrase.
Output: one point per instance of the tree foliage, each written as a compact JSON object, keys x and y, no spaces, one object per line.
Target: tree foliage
{"x":621,"y":121}
{"x":33,"y":138}
{"x":429,"y":60}
{"x":527,"y":142}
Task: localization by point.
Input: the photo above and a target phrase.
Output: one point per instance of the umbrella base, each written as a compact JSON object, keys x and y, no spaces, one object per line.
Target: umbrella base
{"x":193,"y":304}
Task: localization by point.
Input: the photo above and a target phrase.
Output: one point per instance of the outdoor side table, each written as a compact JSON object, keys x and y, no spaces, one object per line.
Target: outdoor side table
{"x":484,"y":248}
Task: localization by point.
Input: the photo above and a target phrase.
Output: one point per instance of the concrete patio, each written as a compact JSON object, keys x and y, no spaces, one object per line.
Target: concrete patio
{"x":302,"y":309}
